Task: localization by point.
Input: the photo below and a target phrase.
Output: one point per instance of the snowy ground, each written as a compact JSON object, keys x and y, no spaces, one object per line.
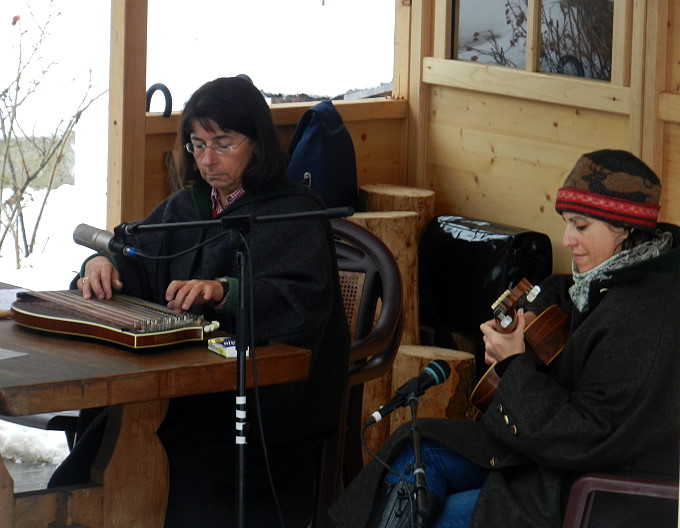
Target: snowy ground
{"x":27,"y":445}
{"x":50,"y":267}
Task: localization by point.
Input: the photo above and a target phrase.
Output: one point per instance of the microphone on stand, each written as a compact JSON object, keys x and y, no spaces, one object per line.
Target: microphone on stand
{"x":333,"y":212}
{"x":103,"y":242}
{"x":434,"y":373}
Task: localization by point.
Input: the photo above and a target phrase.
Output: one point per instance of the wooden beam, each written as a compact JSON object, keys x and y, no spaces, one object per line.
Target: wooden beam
{"x":533,"y":56}
{"x":290,"y":113}
{"x":656,"y":45}
{"x":637,"y":73}
{"x":544,"y":87}
{"x":127,"y":105}
{"x":357,"y":110}
{"x":402,"y":49}
{"x":443,"y":10}
{"x":621,"y":42}
{"x":669,"y":107}
{"x":422,"y":23}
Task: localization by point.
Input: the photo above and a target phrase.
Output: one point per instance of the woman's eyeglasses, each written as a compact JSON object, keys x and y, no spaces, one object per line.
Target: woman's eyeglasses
{"x":198,"y":149}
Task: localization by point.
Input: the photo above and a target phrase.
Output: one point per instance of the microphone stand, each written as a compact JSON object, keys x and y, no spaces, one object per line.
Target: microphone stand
{"x":241,"y":350}
{"x":422,"y":496}
{"x":242,"y":223}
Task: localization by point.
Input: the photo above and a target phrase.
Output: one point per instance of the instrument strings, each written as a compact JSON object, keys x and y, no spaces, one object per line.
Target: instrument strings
{"x":124,"y":312}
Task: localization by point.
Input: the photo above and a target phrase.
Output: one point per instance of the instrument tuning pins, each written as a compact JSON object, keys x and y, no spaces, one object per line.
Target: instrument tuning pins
{"x":533,"y":293}
{"x":212,"y":326}
{"x":506,"y":320}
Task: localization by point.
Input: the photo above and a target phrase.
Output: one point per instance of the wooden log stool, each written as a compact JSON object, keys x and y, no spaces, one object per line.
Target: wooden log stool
{"x":397,"y":230}
{"x":450,"y":399}
{"x":387,"y":197}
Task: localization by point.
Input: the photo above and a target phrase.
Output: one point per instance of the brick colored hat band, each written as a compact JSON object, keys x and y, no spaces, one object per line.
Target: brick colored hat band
{"x":613,"y":210}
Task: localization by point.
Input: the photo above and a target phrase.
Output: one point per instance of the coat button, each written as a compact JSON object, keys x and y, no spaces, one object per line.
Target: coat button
{"x":499,"y":408}
{"x":506,"y":419}
{"x":513,"y":429}
{"x":493,"y":461}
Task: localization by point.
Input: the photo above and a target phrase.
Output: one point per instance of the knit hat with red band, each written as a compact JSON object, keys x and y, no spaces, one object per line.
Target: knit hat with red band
{"x":614,"y":186}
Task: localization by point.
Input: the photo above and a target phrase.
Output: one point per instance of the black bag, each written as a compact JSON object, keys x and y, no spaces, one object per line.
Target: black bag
{"x":321,"y":155}
{"x":396,"y":507}
{"x":466,"y":264}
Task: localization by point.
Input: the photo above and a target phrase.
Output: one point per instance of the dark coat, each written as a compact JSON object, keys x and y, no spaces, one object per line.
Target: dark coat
{"x":609,"y":403}
{"x":297,"y":301}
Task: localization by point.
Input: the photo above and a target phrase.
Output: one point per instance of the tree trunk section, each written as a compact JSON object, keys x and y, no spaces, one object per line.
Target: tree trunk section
{"x":450,"y":399}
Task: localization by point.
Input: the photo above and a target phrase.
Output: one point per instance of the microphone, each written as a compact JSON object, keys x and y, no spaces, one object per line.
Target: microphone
{"x":103,"y":241}
{"x":434,"y":373}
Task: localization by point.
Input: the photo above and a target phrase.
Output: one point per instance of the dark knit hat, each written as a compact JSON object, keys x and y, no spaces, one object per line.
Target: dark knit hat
{"x":614,"y":186}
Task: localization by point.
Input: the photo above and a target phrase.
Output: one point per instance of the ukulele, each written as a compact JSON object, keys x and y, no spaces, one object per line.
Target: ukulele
{"x":544,"y":337}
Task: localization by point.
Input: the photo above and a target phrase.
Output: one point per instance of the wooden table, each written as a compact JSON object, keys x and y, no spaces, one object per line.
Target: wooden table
{"x":42,"y":372}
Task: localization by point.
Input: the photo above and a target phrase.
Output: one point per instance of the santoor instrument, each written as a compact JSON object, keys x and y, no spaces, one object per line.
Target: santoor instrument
{"x":122,"y":319}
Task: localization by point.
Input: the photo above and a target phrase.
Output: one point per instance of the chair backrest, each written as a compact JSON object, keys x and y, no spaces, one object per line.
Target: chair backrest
{"x":372,"y":295}
{"x":371,"y":291}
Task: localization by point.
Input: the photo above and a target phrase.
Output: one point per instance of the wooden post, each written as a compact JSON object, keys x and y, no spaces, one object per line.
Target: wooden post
{"x":451,"y":399}
{"x":397,"y":230}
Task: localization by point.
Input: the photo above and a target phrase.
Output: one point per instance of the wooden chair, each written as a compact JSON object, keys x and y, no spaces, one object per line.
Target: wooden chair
{"x":582,"y":495}
{"x":372,"y":294}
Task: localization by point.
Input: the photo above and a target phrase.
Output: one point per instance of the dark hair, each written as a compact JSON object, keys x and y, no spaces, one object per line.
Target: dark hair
{"x":636,"y":237}
{"x":233,"y":103}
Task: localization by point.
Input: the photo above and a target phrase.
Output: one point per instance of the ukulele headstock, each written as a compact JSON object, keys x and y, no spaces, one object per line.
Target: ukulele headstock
{"x":504,"y":308}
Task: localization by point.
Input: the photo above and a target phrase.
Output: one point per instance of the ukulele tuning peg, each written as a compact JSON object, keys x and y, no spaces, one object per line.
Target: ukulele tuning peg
{"x":506,"y":321}
{"x":533,"y":293}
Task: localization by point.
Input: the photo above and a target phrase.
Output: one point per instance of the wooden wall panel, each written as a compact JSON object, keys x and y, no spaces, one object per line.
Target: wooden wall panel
{"x":526,"y":118}
{"x":156,"y":185}
{"x":376,"y":147}
{"x":670,"y":196}
{"x":670,"y":111}
{"x":673,"y":60}
{"x":502,"y":159}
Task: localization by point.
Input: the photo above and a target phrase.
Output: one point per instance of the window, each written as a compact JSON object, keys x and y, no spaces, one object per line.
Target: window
{"x":59,"y":78}
{"x":575,"y":35}
{"x":321,"y":48}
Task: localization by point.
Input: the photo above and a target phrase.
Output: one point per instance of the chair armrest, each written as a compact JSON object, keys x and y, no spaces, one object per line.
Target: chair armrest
{"x":579,"y":502}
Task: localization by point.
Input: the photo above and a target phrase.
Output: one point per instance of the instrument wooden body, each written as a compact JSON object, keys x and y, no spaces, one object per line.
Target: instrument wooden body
{"x":545,"y":337}
{"x":122,"y":320}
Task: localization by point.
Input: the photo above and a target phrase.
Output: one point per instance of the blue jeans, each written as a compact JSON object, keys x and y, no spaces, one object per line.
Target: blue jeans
{"x":455,"y":480}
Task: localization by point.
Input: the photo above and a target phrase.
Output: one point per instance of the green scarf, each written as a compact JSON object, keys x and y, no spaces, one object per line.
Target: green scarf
{"x":580,"y":290}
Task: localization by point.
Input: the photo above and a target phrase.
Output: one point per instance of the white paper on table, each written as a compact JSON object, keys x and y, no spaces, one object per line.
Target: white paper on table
{"x":7,"y":297}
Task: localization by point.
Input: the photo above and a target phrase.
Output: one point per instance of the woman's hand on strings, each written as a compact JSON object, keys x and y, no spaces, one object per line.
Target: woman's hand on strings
{"x":182,"y":295}
{"x":100,"y":279}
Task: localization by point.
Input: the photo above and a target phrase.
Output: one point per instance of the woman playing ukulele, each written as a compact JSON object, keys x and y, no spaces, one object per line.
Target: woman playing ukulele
{"x":608,"y":403}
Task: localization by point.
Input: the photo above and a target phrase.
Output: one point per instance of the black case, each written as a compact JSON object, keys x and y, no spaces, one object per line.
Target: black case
{"x":466,"y":264}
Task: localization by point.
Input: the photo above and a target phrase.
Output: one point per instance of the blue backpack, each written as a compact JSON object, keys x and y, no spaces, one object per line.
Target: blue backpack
{"x":321,"y":156}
